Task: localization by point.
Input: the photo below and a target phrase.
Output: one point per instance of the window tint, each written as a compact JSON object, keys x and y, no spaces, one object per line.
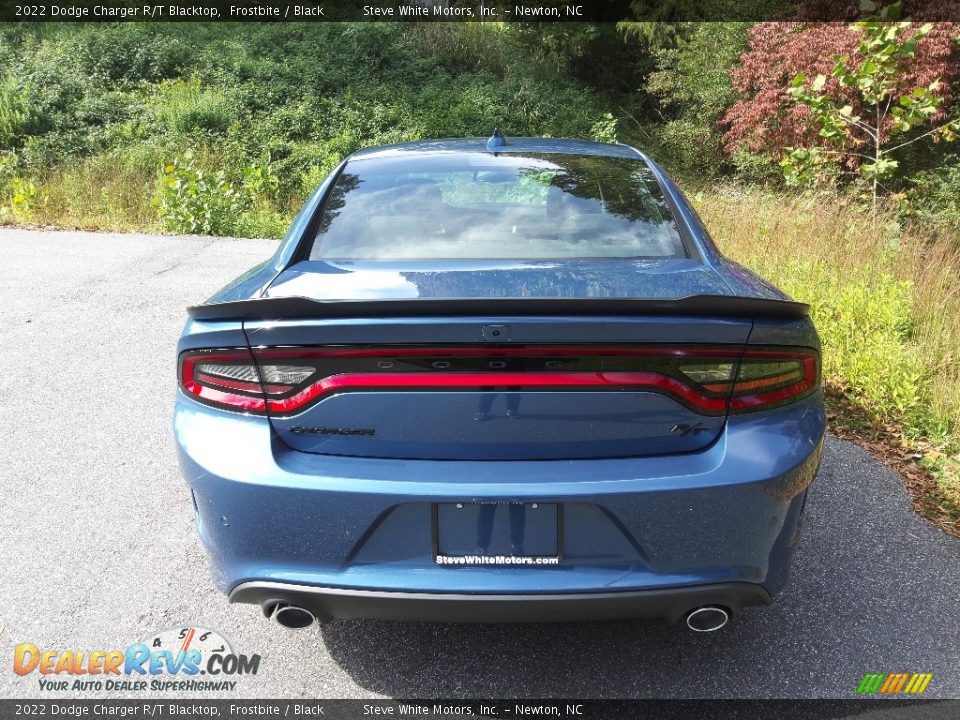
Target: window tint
{"x":485,"y":206}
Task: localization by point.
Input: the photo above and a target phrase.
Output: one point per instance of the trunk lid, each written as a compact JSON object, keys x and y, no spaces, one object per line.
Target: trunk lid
{"x":499,"y":387}
{"x":499,"y":360}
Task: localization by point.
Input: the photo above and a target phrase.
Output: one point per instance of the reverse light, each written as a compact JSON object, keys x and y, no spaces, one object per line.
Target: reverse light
{"x":712,"y":373}
{"x":285,"y":374}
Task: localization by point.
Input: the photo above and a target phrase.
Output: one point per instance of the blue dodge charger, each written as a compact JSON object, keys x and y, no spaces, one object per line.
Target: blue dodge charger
{"x":499,"y":380}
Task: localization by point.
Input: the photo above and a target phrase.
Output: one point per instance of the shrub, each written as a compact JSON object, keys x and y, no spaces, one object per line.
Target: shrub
{"x":187,"y":108}
{"x":128,"y":53}
{"x":311,"y":178}
{"x":693,"y":148}
{"x":14,"y":111}
{"x":104,"y":192}
{"x":605,"y":129}
{"x":864,"y":320}
{"x":18,"y":195}
{"x":933,"y":196}
{"x":196,"y":201}
{"x":189,"y":199}
{"x":261,"y":223}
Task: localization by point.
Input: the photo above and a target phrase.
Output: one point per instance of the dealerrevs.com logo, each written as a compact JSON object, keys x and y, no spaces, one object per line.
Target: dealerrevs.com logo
{"x":187,"y":658}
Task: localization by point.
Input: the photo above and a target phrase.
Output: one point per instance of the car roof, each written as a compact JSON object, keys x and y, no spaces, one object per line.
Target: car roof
{"x":514,"y":145}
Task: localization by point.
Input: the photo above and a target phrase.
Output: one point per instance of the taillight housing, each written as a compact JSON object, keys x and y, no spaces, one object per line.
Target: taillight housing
{"x":769,"y":379}
{"x":708,"y":380}
{"x":232,"y":379}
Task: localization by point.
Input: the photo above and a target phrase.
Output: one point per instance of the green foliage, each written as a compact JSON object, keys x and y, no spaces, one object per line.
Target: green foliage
{"x":933,"y":196}
{"x":864,"y":302}
{"x":865,"y":322}
{"x":810,"y":167}
{"x":867,"y":134}
{"x":304,"y":95}
{"x":18,"y":195}
{"x":259,"y":180}
{"x":755,"y":168}
{"x":14,"y":110}
{"x":692,"y":85}
{"x":602,"y":56}
{"x":261,"y":222}
{"x":126,"y":54}
{"x":23,"y":197}
{"x":185,"y":107}
{"x":311,"y":178}
{"x":195,"y":201}
{"x":605,"y":129}
{"x":189,"y":199}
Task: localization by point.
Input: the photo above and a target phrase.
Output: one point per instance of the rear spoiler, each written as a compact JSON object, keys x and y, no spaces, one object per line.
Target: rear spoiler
{"x":289,"y":308}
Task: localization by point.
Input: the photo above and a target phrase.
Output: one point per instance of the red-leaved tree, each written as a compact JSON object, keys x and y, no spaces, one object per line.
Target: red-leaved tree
{"x":767,"y":119}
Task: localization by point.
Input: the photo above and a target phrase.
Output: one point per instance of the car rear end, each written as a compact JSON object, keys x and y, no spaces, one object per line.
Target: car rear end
{"x":368,"y":433}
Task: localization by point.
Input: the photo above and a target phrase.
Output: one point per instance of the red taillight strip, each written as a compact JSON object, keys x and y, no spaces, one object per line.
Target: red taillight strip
{"x":767,"y":382}
{"x":347,"y":382}
{"x":244,"y":402}
{"x":758,"y":383}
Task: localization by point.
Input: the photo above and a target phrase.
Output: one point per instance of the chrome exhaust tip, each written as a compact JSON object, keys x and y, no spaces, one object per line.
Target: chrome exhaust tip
{"x":708,"y":618}
{"x":293,"y":617}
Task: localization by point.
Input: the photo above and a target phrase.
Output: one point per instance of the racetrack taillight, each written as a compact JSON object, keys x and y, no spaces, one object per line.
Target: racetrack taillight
{"x":708,"y":380}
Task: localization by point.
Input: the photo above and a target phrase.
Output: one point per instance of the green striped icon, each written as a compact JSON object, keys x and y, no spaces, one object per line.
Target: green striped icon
{"x":894,"y":683}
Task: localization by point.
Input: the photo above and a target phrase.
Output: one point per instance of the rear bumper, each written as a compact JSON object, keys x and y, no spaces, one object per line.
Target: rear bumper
{"x":669,"y":604}
{"x":354,"y":535}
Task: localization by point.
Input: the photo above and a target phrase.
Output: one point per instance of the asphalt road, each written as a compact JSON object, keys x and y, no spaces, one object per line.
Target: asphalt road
{"x":97,"y":546}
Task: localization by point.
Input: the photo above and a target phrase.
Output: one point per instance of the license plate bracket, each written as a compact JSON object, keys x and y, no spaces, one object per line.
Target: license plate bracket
{"x":487,"y":531}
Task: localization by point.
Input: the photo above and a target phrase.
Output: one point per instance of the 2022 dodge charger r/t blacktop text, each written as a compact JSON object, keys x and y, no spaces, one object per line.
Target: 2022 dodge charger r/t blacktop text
{"x":499,"y":380}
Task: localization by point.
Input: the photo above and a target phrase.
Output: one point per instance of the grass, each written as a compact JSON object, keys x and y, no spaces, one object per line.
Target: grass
{"x":886,"y":301}
{"x":98,"y":193}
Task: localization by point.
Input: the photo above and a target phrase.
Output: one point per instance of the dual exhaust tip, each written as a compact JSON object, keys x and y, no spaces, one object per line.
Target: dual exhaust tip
{"x":290,"y":616}
{"x":708,"y":618}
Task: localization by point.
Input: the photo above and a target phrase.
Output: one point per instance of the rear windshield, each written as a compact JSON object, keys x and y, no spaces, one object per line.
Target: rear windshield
{"x":486,"y":206}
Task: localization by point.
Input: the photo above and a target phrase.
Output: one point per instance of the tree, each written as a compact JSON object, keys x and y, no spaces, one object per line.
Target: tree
{"x":692,"y":87}
{"x":877,"y":121}
{"x":766,"y":118}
